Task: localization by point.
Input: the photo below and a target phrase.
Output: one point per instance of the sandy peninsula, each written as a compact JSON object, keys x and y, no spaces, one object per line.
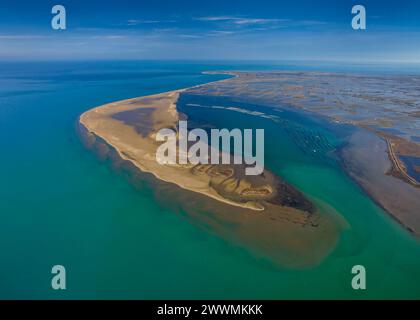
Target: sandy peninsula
{"x":130,"y":127}
{"x":263,"y":212}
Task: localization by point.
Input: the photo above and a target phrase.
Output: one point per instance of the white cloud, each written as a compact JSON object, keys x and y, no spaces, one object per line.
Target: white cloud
{"x":240,"y":20}
{"x":262,"y":22}
{"x":21,"y":37}
{"x":135,"y":22}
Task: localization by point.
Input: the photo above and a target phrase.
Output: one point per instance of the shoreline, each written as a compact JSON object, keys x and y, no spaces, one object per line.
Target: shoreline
{"x":366,"y":161}
{"x":370,"y":195}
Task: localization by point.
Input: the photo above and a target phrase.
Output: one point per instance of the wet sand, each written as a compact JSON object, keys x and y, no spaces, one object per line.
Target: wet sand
{"x":367,"y":161}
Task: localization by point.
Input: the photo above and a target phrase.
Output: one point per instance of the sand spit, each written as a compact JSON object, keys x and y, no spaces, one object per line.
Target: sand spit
{"x":116,"y":123}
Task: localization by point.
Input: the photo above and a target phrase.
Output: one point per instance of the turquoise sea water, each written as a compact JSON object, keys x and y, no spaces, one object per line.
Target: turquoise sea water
{"x":59,"y":204}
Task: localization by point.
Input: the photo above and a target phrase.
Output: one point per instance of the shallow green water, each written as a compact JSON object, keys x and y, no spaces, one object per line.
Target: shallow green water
{"x":59,"y":204}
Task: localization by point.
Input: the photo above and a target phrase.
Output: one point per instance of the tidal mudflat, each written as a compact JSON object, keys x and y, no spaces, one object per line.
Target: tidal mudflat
{"x":381,"y":154}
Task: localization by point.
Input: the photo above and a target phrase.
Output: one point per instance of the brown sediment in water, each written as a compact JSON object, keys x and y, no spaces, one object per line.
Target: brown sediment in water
{"x":367,"y":160}
{"x":265,"y":213}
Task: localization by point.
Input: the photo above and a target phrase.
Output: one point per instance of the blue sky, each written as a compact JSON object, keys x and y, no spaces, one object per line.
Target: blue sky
{"x":211,"y":30}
